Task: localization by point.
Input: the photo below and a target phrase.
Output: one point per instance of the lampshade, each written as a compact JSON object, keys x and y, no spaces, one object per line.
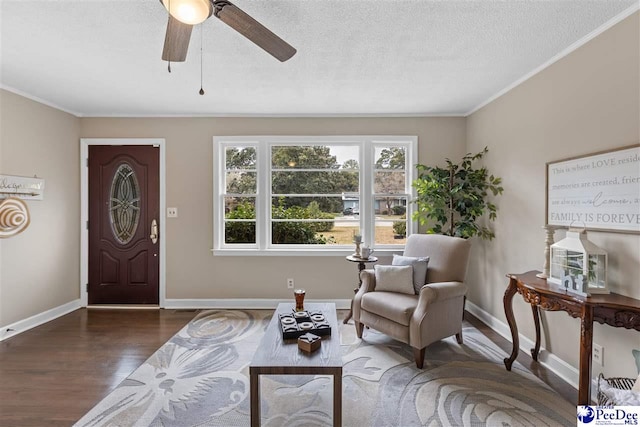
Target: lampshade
{"x":190,"y":12}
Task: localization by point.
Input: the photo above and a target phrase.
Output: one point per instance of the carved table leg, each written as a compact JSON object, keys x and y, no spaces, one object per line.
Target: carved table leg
{"x":361,"y":266}
{"x":586,"y":341}
{"x":350,"y":314}
{"x":536,"y":321}
{"x":508,"y":311}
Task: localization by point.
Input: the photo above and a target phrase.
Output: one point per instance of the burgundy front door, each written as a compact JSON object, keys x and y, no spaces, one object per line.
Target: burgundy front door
{"x":124,"y":194}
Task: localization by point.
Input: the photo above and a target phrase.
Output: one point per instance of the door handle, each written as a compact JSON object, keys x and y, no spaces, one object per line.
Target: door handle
{"x":154,"y":232}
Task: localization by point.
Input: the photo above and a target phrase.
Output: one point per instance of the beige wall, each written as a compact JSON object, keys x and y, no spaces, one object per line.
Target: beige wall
{"x":586,"y":102}
{"x":39,"y":268}
{"x":192,"y":271}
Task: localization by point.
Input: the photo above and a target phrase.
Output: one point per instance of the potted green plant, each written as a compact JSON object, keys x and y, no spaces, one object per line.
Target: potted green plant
{"x":452,"y":199}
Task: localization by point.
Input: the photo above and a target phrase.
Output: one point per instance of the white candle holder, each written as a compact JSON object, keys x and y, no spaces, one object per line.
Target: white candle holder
{"x":357,"y":239}
{"x":551,"y":230}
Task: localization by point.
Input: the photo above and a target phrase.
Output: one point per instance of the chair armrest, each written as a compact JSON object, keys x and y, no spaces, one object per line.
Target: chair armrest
{"x":368,"y":285}
{"x":434,"y":292}
{"x":368,"y":278}
{"x":441,"y":291}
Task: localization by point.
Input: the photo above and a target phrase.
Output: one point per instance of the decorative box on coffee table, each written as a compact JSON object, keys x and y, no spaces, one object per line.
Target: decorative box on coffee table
{"x":309,"y":342}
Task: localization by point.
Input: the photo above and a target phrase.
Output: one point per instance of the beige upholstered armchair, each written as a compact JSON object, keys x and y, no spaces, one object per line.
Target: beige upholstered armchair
{"x":435,"y":312}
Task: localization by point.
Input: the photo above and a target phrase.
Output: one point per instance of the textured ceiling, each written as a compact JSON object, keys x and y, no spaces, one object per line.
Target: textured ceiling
{"x":355,"y":57}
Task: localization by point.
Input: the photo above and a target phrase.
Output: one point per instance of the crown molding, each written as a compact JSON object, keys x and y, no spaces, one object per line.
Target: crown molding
{"x":39,"y":100}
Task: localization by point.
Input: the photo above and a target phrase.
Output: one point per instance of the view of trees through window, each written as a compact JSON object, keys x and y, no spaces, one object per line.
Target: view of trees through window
{"x":241,"y":178}
{"x":390,"y":194}
{"x":316,"y":193}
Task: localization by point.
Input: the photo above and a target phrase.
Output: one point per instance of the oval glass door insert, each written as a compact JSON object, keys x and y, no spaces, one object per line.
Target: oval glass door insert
{"x":124,"y":205}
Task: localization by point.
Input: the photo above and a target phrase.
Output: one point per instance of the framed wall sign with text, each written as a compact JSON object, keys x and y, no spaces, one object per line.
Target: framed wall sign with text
{"x":598,"y":191}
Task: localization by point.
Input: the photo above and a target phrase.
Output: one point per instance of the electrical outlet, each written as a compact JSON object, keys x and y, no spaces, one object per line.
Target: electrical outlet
{"x":172,"y":212}
{"x":597,"y":352}
{"x":290,"y":283}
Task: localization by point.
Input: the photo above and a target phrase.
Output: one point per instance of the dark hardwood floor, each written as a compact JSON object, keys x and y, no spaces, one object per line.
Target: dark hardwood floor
{"x":559,"y":385}
{"x":53,"y":374}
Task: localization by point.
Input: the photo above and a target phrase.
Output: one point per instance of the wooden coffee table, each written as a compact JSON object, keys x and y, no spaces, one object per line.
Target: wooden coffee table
{"x":276,"y":356}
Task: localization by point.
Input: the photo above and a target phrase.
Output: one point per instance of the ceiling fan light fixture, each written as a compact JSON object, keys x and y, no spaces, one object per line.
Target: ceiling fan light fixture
{"x":191,"y":12}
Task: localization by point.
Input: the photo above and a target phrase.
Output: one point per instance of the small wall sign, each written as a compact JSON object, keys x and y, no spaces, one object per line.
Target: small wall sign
{"x":21,"y":187}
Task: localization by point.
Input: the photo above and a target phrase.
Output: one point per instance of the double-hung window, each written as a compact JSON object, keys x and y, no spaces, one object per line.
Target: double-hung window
{"x":300,"y":195}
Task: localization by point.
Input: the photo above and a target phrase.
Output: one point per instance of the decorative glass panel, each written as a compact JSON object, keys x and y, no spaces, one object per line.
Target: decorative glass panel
{"x":124,"y":205}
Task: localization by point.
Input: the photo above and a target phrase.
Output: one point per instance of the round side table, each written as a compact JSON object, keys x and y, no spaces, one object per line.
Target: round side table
{"x":362,"y":264}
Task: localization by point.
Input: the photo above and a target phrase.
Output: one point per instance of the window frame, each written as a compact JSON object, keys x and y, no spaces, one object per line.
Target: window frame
{"x":263,"y":196}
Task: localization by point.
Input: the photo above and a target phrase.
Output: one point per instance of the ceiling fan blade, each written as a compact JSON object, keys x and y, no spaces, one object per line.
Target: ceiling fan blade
{"x":176,"y":41}
{"x":234,"y":17}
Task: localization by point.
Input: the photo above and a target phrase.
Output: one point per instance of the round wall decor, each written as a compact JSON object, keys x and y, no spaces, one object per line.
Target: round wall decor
{"x":14,"y":217}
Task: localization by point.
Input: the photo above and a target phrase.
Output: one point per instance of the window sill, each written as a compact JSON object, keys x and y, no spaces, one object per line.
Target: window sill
{"x":300,"y":252}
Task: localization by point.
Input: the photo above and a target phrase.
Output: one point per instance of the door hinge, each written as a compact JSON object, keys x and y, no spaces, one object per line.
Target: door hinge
{"x":87,"y":225}
{"x":87,"y":162}
{"x":87,"y":288}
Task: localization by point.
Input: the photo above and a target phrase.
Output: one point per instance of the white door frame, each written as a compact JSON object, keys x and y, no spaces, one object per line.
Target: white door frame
{"x":84,"y":208}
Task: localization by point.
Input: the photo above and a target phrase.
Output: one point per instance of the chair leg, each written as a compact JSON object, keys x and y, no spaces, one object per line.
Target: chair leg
{"x":418,"y":354}
{"x":359,"y":328}
{"x":464,"y":304}
{"x":459,"y":334}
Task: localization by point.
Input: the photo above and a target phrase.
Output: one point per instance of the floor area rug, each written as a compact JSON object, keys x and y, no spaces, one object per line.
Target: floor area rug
{"x":200,"y":377}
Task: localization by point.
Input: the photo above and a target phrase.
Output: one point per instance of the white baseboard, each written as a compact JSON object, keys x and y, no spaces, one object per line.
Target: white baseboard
{"x":244,"y":303}
{"x":38,"y":319}
{"x":123,"y":307}
{"x":549,"y":360}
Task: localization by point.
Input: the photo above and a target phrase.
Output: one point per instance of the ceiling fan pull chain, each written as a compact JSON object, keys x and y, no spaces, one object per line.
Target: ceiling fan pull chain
{"x":201,"y":92}
{"x":169,"y":66}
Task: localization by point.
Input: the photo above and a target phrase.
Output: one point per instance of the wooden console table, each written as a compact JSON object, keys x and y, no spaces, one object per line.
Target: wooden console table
{"x":613,"y":309}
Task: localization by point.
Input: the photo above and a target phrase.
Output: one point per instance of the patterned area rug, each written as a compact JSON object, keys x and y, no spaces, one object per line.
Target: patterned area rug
{"x":200,"y":377}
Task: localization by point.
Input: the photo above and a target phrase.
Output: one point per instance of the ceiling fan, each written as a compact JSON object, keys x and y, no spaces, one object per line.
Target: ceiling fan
{"x":184,"y":14}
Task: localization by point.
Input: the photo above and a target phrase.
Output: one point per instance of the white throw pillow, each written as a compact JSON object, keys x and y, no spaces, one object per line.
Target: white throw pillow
{"x":419,"y":265}
{"x":618,"y":396}
{"x":394,"y":278}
